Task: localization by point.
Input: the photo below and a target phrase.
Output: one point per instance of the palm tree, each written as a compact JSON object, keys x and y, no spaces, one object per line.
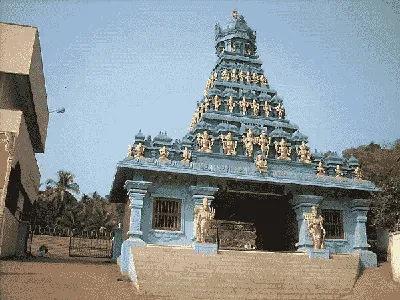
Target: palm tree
{"x":63,"y":188}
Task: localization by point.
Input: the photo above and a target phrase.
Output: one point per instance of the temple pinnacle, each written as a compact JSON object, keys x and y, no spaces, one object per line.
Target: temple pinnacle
{"x":235,"y":14}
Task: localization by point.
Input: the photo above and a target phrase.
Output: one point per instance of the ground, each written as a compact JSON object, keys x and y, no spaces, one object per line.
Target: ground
{"x":46,"y":278}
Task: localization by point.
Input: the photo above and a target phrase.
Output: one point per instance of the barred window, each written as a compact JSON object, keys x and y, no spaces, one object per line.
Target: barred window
{"x":166,"y":214}
{"x":333,"y":223}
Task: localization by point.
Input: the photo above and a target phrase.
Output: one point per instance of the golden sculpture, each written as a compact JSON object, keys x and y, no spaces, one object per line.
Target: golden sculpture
{"x":243,"y":104}
{"x":225,"y":75}
{"x":256,"y":107}
{"x":304,"y":153}
{"x":264,"y":141}
{"x":315,"y":228}
{"x":215,"y":76}
{"x":205,"y":92}
{"x":339,"y":173}
{"x":130,"y":151}
{"x":357,"y":173}
{"x":163,"y":154}
{"x":233,"y":48}
{"x":206,"y":103}
{"x":248,"y":142}
{"x":196,"y":116}
{"x":263,"y":80}
{"x":186,"y":155}
{"x":201,"y":109}
{"x":241,"y":76}
{"x":204,"y":142}
{"x":249,"y":51}
{"x":255,"y":78}
{"x":320,"y":169}
{"x":139,"y":151}
{"x":203,"y":216}
{"x":261,"y":163}
{"x":234,"y":76}
{"x":217,"y":102}
{"x":280,"y":110}
{"x":248,"y":77}
{"x":283,"y":149}
{"x":267,"y":109}
{"x":231,"y":104}
{"x":228,"y":144}
{"x":235,"y":14}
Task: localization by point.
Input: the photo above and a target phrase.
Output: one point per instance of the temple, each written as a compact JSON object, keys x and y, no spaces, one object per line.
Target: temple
{"x":266,"y":190}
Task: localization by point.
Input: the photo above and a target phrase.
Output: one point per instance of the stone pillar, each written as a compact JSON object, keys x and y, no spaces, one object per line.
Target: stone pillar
{"x":198,"y":194}
{"x":359,"y":208}
{"x":117,"y":243}
{"x":137,"y":189}
{"x":302,"y":204}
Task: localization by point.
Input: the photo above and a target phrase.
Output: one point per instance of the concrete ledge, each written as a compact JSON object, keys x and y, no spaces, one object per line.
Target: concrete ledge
{"x":323,"y":253}
{"x":205,"y":248}
{"x":368,"y":259}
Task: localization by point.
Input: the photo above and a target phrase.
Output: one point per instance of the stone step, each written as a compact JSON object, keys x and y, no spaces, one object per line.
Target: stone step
{"x":183,"y":274}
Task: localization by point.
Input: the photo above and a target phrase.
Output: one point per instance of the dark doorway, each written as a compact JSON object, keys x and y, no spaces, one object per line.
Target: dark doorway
{"x":272,"y":215}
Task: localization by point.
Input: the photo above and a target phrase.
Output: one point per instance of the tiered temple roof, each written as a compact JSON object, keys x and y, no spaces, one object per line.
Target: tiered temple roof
{"x":240,"y":128}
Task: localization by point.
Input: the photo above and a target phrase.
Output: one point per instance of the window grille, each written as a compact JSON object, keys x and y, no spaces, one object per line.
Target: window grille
{"x":166,"y":214}
{"x":333,"y":223}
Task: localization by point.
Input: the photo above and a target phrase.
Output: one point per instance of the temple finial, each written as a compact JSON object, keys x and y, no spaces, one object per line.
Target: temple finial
{"x":235,"y":14}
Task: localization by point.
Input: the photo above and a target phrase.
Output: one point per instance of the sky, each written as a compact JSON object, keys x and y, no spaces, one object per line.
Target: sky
{"x":121,"y":66}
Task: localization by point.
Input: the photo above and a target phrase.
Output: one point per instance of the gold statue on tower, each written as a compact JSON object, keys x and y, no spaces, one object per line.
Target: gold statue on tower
{"x":139,"y":151}
{"x":204,"y":142}
{"x":217,"y":102}
{"x":283,"y":149}
{"x":256,"y":107}
{"x":267,"y":109}
{"x":320,"y":169}
{"x":163,"y":154}
{"x":357,"y":173}
{"x":231,"y":104}
{"x":261,"y":163}
{"x":248,"y":142}
{"x":243,"y":104}
{"x":228,"y":144}
{"x":304,"y":153}
{"x":186,"y":156}
{"x":264,"y":141}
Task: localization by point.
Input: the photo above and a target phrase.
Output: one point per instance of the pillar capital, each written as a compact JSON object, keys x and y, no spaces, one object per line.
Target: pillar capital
{"x":360,"y":204}
{"x":306,"y":200}
{"x":137,"y":186}
{"x":203,"y":191}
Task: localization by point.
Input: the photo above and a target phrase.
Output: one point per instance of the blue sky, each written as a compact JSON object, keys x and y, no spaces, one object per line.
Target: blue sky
{"x":121,"y":66}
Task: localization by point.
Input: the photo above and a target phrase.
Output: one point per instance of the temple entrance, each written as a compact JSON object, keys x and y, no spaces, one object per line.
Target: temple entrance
{"x":272,"y":215}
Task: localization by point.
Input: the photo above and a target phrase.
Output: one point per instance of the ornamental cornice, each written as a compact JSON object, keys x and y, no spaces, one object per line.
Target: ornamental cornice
{"x":137,"y":186}
{"x":203,"y":190}
{"x":247,"y":173}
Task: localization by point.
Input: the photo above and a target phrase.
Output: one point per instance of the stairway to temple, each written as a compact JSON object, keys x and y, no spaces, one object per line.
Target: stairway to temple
{"x":180,"y":273}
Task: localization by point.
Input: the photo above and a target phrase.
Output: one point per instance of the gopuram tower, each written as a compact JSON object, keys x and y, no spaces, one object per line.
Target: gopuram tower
{"x":242,"y":161}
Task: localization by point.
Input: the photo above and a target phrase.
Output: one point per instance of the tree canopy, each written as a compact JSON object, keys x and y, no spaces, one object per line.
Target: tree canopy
{"x":381,"y":165}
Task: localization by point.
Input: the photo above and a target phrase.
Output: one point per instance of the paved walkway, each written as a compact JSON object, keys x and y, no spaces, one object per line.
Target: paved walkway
{"x":45,"y":278}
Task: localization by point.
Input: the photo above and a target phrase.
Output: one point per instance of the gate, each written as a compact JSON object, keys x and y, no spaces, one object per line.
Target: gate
{"x":93,"y":245}
{"x":231,"y":235}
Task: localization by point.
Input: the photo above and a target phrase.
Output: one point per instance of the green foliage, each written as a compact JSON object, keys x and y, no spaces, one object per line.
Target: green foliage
{"x":57,"y":206}
{"x":381,"y":166}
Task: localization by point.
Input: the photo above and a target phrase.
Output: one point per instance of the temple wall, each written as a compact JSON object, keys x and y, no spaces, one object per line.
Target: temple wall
{"x":10,"y":234}
{"x":165,"y":237}
{"x":344,"y":245}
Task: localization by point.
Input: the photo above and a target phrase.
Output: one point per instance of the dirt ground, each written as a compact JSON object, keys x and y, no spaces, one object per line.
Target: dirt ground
{"x":46,"y":278}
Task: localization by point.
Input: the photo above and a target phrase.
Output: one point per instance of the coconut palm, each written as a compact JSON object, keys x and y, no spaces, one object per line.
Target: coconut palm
{"x":63,"y":189}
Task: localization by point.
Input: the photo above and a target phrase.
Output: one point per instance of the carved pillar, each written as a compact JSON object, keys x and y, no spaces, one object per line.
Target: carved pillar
{"x":359,"y":208}
{"x":302,"y":204}
{"x":136,"y":191}
{"x":198,"y":194}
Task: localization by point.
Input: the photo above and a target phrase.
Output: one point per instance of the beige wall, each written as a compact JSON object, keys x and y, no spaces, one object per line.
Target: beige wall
{"x":13,"y":121}
{"x":21,"y":71}
{"x":394,"y":250}
{"x":10,"y":234}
